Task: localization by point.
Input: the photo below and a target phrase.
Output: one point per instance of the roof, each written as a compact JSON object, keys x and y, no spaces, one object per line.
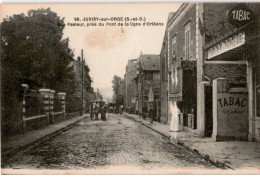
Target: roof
{"x":150,"y":62}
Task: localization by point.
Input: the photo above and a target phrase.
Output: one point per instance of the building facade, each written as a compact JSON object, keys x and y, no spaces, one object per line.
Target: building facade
{"x":182,"y":68}
{"x":164,"y":76}
{"x":149,"y":84}
{"x":131,"y":86}
{"x":213,"y":70}
{"x":231,"y":51}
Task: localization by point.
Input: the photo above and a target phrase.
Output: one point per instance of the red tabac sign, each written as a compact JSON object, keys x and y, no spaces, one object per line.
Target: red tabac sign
{"x":240,"y":15}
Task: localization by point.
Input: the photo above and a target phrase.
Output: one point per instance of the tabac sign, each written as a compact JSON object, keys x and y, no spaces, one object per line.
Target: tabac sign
{"x":226,"y":45}
{"x":240,"y":15}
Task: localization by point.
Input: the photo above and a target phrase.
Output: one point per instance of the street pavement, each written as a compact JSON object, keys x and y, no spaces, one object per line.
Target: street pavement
{"x":103,"y":144}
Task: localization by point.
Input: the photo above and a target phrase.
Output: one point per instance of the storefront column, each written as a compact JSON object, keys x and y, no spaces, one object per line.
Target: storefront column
{"x":200,"y":71}
{"x":201,"y":109}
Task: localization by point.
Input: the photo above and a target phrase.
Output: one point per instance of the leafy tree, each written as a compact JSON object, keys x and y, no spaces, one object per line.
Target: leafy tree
{"x":34,"y":52}
{"x":116,"y":83}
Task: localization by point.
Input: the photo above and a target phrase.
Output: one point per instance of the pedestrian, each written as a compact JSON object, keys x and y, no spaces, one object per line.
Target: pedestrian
{"x":103,"y":113}
{"x":151,"y":115}
{"x":121,"y":109}
{"x":144,"y":112}
{"x":96,"y":110}
{"x":91,"y":111}
{"x":114,"y":109}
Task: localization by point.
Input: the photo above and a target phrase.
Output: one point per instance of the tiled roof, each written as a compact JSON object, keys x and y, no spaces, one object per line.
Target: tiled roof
{"x":150,"y":62}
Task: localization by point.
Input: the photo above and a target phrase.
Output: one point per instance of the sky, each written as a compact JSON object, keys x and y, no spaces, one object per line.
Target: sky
{"x":107,"y":49}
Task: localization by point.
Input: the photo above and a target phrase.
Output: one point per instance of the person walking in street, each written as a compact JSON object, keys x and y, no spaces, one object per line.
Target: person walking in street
{"x":144,"y":112}
{"x":121,"y":109}
{"x":151,"y":115}
{"x":91,"y":111}
{"x":103,"y":113}
{"x":96,"y":111}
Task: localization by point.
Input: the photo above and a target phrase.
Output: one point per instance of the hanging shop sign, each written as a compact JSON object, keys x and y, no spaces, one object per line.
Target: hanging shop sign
{"x":240,"y":15}
{"x":150,"y":95}
{"x":226,"y":45}
{"x":133,"y":100}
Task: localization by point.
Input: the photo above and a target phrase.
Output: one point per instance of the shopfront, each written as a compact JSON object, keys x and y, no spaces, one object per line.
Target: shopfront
{"x":234,"y":58}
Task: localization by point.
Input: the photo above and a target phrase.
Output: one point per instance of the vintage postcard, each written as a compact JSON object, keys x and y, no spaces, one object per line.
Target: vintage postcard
{"x":130,"y":88}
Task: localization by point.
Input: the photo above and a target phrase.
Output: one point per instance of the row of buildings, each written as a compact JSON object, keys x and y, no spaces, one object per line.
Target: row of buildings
{"x":206,"y":79}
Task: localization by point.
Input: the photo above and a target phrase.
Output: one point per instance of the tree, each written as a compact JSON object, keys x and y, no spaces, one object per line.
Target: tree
{"x":34,"y":52}
{"x":99,"y":95}
{"x":117,"y":84}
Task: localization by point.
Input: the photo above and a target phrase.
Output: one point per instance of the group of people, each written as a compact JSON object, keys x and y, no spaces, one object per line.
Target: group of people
{"x":95,"y":110}
{"x":151,"y":113}
{"x":117,"y":109}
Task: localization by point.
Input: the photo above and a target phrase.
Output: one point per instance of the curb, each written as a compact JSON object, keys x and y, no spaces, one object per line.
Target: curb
{"x":129,"y":117}
{"x":14,"y":151}
{"x":174,"y":141}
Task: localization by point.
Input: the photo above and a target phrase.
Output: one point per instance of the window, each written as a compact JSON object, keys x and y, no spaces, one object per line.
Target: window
{"x":149,"y":76}
{"x":174,"y":45}
{"x":187,"y":41}
{"x":156,"y":76}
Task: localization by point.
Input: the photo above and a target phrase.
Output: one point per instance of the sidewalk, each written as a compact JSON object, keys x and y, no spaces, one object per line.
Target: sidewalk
{"x":231,"y":154}
{"x":20,"y":141}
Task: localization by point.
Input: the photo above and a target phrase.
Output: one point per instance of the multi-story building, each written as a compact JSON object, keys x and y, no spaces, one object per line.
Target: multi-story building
{"x":164,"y":76}
{"x":149,"y":83}
{"x":182,"y":68}
{"x":131,"y":86}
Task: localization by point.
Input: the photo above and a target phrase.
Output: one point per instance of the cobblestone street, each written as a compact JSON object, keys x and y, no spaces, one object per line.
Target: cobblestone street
{"x":101,"y":144}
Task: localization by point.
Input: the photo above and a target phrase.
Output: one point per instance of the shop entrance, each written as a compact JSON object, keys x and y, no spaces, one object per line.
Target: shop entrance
{"x":208,"y":111}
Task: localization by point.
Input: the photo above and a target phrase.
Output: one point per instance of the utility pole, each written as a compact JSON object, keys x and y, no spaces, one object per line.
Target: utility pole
{"x":82,"y":76}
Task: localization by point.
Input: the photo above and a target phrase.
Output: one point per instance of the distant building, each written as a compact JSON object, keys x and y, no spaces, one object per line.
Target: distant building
{"x":149,"y":83}
{"x":182,"y":69}
{"x":130,"y":102}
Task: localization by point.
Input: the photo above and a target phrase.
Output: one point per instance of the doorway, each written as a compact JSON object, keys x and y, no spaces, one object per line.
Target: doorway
{"x":208,"y":111}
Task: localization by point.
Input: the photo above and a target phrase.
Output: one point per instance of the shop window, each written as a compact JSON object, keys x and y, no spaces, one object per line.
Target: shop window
{"x":187,"y":41}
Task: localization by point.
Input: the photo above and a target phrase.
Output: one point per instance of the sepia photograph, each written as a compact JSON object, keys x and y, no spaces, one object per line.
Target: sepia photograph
{"x":130,"y":88}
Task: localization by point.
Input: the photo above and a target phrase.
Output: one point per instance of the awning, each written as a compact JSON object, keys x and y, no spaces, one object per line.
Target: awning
{"x":233,"y":44}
